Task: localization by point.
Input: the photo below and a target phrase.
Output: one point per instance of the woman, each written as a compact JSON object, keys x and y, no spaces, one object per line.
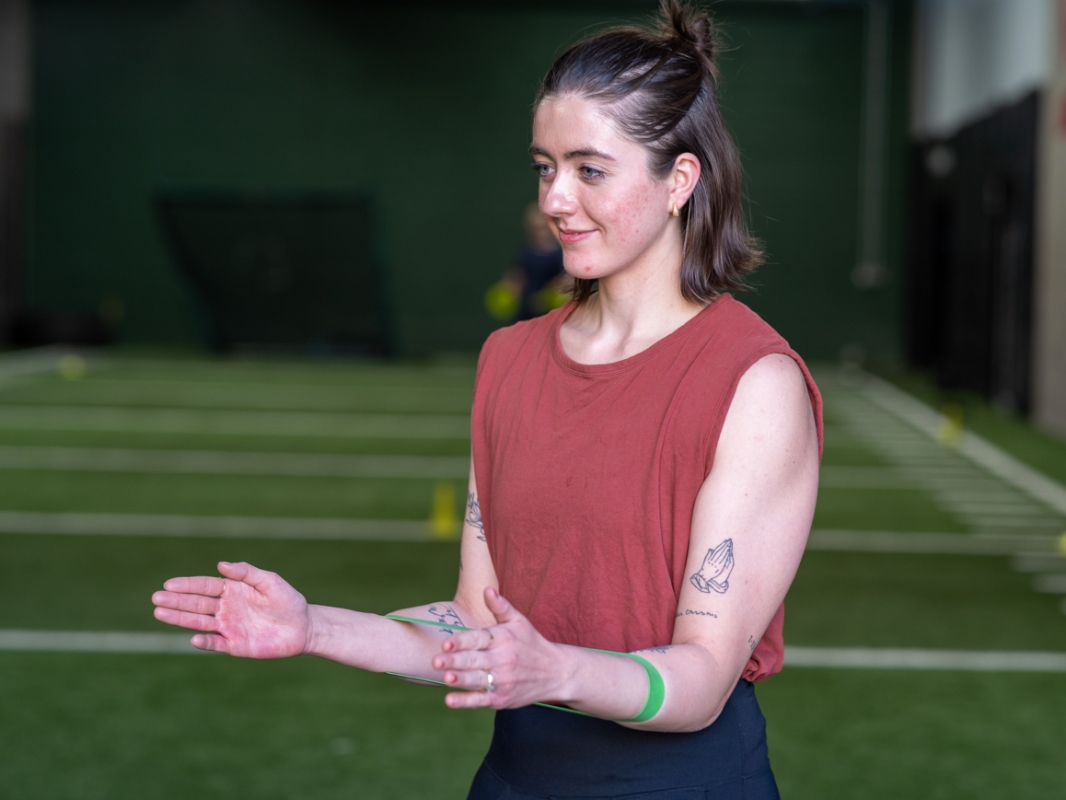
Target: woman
{"x":643,"y":476}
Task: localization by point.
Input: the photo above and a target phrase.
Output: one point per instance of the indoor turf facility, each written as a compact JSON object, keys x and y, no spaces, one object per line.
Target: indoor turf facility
{"x":250,"y":251}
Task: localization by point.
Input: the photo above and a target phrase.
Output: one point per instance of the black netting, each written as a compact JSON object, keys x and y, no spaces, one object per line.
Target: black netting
{"x":281,"y":271}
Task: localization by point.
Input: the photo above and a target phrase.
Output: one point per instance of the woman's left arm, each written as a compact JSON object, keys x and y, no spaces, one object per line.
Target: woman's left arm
{"x":749,"y":527}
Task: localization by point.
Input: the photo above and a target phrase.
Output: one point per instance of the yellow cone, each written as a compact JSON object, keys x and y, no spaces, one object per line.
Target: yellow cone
{"x":950,"y":430}
{"x":443,"y":521}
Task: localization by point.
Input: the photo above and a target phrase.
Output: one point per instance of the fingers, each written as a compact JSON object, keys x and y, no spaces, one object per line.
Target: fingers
{"x":463,"y":659}
{"x":471,"y":700}
{"x":212,"y":642}
{"x":194,"y":603}
{"x":242,"y":571}
{"x":203,"y":585}
{"x":500,"y":608}
{"x":469,"y":640}
{"x":185,"y":619}
{"x":475,"y":680}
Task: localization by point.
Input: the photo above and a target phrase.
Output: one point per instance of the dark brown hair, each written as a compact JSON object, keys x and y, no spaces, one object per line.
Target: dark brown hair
{"x":659,"y":86}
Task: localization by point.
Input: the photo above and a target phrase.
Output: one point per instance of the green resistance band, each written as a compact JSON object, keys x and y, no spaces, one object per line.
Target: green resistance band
{"x":656,"y":687}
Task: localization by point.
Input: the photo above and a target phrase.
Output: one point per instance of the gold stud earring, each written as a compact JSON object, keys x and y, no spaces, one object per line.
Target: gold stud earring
{"x":673,"y":210}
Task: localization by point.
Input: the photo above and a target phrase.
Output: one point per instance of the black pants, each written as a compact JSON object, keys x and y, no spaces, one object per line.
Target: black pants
{"x":540,"y":753}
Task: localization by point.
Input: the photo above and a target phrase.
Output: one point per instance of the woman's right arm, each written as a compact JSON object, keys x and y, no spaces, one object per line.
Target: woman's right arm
{"x":252,"y":613}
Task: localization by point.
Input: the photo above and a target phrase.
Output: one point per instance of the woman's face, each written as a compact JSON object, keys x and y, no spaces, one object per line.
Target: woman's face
{"x":603,"y":205}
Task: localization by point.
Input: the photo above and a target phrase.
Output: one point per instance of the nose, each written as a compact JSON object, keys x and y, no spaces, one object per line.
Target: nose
{"x":558,"y":200}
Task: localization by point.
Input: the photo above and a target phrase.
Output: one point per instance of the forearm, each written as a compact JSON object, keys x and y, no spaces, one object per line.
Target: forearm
{"x":378,"y":644}
{"x":612,"y":687}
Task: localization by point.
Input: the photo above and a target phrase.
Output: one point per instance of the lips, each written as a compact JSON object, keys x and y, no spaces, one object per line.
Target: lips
{"x":573,"y":237}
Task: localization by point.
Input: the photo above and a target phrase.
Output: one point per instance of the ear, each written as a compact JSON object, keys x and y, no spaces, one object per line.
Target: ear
{"x":684,"y":177}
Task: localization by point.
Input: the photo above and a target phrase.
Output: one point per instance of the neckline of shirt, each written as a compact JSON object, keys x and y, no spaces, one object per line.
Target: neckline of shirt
{"x":635,"y":360}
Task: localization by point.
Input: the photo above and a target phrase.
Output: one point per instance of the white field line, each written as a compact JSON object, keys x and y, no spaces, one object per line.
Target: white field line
{"x":236,"y":527}
{"x":893,"y":658}
{"x":835,"y":657}
{"x":319,"y":465}
{"x":865,"y":478}
{"x":1050,"y":584}
{"x":929,"y":543}
{"x":993,"y":508}
{"x":184,"y":526}
{"x":20,"y":363}
{"x":246,"y":423}
{"x":976,"y":448}
{"x":263,"y":396}
{"x":1039,"y":562}
{"x":96,"y":642}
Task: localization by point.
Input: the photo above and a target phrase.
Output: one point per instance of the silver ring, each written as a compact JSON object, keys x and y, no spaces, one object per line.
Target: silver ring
{"x":492,"y":682}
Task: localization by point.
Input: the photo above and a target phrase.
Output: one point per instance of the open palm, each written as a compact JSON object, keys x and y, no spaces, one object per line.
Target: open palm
{"x":248,"y":612}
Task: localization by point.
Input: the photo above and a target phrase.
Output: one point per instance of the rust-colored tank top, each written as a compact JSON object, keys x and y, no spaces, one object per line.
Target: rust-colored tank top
{"x":587,"y":474}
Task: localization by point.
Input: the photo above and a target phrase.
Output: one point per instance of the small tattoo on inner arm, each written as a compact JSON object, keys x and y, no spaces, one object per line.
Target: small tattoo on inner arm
{"x":473,"y":515}
{"x":713,"y":576}
{"x":689,"y":612}
{"x":752,"y":643}
{"x":447,"y":615}
{"x":660,"y":649}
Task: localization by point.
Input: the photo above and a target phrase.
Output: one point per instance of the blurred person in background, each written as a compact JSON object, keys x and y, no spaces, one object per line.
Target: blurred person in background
{"x":536,"y":283}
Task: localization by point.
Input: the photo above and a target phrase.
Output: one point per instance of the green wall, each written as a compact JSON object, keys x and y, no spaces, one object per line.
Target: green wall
{"x":427,"y":109}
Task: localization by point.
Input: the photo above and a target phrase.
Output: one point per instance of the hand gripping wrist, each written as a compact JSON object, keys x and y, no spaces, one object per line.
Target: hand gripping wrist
{"x":656,"y":686}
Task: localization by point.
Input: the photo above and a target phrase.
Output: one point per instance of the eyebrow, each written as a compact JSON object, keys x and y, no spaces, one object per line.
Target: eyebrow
{"x":584,"y":152}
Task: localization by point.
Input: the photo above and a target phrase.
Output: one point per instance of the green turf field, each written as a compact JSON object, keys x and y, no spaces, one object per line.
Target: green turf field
{"x":137,"y":469}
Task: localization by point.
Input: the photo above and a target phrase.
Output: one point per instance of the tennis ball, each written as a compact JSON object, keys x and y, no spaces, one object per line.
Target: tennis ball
{"x":72,"y":367}
{"x":1060,"y":545}
{"x":501,"y":301}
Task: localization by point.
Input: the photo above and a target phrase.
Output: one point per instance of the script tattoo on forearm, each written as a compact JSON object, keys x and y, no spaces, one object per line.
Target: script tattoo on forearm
{"x":660,"y":649}
{"x":752,"y":643}
{"x":473,"y":515}
{"x":713,"y":576}
{"x":448,"y":616}
{"x":690,"y":612}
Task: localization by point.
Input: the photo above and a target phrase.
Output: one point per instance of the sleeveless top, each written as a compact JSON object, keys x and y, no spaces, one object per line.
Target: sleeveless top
{"x":587,"y":474}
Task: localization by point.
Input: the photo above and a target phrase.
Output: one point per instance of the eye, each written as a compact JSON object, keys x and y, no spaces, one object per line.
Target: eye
{"x":591,"y":173}
{"x":541,"y":169}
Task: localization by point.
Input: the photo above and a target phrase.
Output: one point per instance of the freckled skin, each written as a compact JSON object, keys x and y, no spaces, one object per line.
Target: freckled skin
{"x":623,"y":206}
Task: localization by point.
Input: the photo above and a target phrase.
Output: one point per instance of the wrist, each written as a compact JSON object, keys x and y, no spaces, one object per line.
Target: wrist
{"x":568,"y":674}
{"x":317,"y":627}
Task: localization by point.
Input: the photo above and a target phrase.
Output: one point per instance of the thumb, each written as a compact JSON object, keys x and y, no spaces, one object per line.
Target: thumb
{"x":500,"y":608}
{"x":242,"y":571}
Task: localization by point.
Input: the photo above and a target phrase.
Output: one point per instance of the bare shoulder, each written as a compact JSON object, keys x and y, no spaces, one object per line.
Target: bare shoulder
{"x":773,"y":382}
{"x":771,"y":406}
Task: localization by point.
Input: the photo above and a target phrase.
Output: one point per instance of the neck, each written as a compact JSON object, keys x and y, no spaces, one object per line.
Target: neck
{"x":631,"y":310}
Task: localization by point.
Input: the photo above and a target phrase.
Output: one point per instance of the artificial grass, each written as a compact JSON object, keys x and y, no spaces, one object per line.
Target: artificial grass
{"x":240,"y":495}
{"x":106,"y":583}
{"x":926,"y":735}
{"x":1007,"y":430}
{"x":136,"y":726}
{"x":883,"y":510}
{"x":208,"y":726}
{"x":837,"y":599}
{"x":924,"y":601}
{"x":239,"y":442}
{"x":242,"y":395}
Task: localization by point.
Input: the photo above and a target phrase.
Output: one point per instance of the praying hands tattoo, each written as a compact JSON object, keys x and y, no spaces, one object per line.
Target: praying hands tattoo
{"x":473,"y":515}
{"x":713,"y":576}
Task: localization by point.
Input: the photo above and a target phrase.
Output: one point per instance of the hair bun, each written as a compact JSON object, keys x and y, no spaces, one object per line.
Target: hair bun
{"x":691,"y":29}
